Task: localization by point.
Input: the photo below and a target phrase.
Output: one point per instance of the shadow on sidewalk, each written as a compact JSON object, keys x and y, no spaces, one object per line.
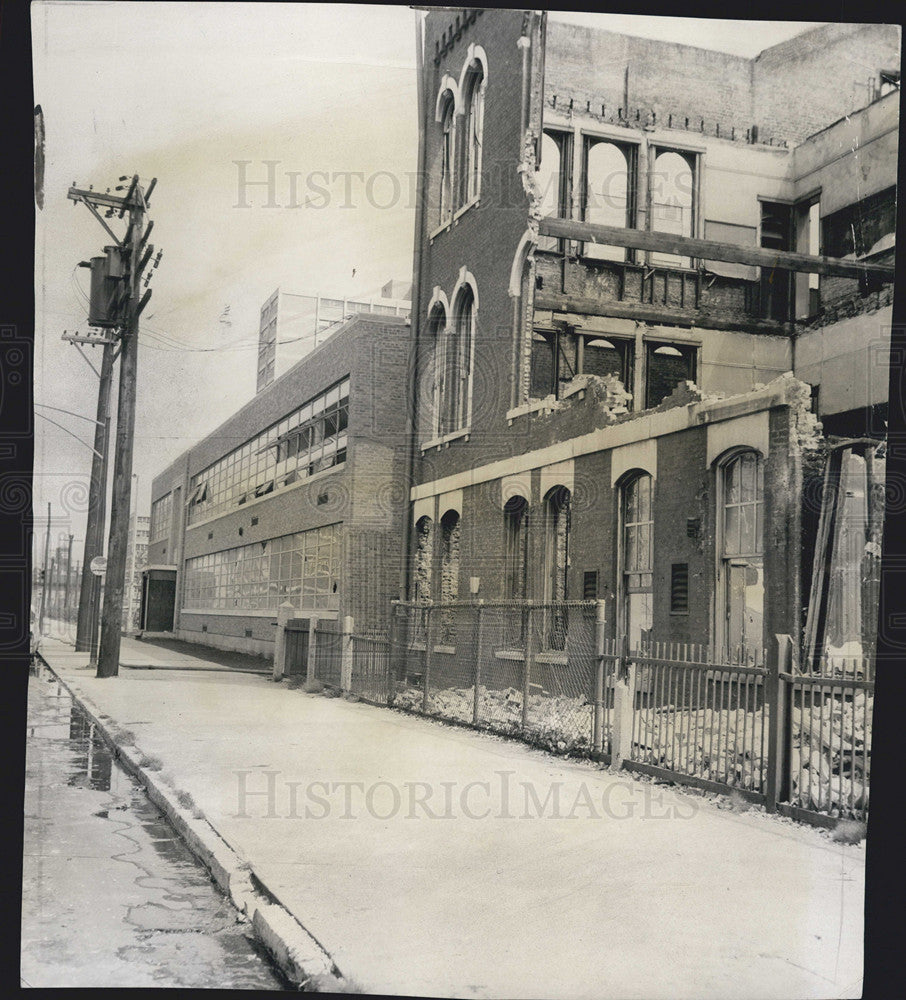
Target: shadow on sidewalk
{"x":222,"y":657}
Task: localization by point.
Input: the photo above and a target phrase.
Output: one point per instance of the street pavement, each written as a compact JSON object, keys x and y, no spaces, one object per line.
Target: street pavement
{"x":430,"y":860}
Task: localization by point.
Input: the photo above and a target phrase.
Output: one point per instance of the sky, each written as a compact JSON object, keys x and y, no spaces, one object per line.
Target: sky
{"x":195,"y":94}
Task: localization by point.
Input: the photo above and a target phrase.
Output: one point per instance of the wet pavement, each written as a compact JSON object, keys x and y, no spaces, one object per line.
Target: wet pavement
{"x":111,"y":896}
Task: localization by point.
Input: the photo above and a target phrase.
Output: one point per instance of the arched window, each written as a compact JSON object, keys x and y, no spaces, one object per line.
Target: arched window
{"x":447,"y":156}
{"x":473,"y":93}
{"x":556,"y":564}
{"x":741,"y":498}
{"x":553,"y":181}
{"x":672,"y":199}
{"x":608,"y":201}
{"x":430,"y":386}
{"x":515,"y":520}
{"x":636,"y":557}
{"x":449,"y":575}
{"x":456,"y":377}
{"x":424,"y":543}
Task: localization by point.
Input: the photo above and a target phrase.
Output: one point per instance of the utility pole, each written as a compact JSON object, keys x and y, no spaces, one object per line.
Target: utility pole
{"x":124,"y":311}
{"x":67,"y":581}
{"x":44,"y":581}
{"x":89,"y":591}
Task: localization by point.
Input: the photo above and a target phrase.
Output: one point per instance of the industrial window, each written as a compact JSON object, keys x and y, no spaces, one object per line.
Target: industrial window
{"x":608,"y":196}
{"x":741,"y":493}
{"x":636,"y":557}
{"x":559,"y":355}
{"x":302,"y":568}
{"x":473,"y":93}
{"x":161,"y":513}
{"x":311,"y":438}
{"x":672,"y":186}
{"x":456,"y":375}
{"x":555,"y":180}
{"x":667,"y":365}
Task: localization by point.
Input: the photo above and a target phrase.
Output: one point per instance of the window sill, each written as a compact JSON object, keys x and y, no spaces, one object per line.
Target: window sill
{"x":444,"y":440}
{"x":472,"y":203}
{"x":442,"y":228}
{"x":576,"y":387}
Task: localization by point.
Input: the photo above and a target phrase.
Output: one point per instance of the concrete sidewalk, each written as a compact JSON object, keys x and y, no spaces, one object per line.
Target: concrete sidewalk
{"x":430,"y":860}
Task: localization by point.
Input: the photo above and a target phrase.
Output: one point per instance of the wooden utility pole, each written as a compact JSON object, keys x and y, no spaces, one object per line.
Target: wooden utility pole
{"x":44,"y":580}
{"x":127,"y":307}
{"x":97,"y":506}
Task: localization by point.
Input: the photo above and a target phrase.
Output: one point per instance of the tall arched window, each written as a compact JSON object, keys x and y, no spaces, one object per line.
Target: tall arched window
{"x":457,"y":365}
{"x":672,"y":199}
{"x":636,"y":557}
{"x":741,"y":497}
{"x":515,"y":520}
{"x":556,"y":564}
{"x":449,"y":574}
{"x":421,"y":578}
{"x":553,"y":179}
{"x":430,"y":385}
{"x":473,"y":93}
{"x":447,"y":156}
{"x":608,"y":192}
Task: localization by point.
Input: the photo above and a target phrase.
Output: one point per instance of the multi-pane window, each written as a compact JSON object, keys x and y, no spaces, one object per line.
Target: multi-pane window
{"x":742,"y":546}
{"x":637,"y":557}
{"x":303,"y":568}
{"x":456,"y":375}
{"x":309,"y":440}
{"x":161,"y":513}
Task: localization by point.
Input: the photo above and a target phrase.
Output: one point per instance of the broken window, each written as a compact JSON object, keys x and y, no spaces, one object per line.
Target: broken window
{"x":450,"y":532}
{"x":808,"y":241}
{"x":608,"y":197}
{"x":559,"y":355}
{"x":636,"y":557}
{"x":776,"y":234}
{"x":741,"y":490}
{"x":667,"y":365}
{"x":672,"y":185}
{"x":431,"y":386}
{"x":515,"y":519}
{"x":554,"y":181}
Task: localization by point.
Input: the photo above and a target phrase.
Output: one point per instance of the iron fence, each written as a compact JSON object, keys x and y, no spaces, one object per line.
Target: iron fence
{"x":371,"y":677}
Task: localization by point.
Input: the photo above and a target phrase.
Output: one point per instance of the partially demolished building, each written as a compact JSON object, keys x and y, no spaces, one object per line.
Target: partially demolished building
{"x":652,"y":305}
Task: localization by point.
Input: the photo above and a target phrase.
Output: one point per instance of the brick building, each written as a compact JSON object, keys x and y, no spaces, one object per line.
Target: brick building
{"x":294,"y":498}
{"x":652,"y":287}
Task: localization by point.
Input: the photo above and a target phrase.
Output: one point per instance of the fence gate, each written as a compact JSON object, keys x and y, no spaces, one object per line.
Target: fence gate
{"x":296,"y":639}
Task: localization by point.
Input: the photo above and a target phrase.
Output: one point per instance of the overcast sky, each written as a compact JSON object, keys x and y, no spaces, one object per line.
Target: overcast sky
{"x":182,"y":91}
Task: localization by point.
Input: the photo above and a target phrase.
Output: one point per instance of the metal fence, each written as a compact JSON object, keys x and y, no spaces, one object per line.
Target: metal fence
{"x":510,"y":667}
{"x":371,"y":678}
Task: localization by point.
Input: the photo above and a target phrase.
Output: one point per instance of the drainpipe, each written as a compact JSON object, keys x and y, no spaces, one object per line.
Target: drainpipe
{"x":415,"y":314}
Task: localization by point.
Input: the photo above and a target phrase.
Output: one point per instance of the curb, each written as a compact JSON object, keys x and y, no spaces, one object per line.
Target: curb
{"x":298,"y":955}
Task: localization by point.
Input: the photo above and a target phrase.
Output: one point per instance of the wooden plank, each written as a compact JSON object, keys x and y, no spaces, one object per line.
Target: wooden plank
{"x":686,"y":246}
{"x":657,"y":314}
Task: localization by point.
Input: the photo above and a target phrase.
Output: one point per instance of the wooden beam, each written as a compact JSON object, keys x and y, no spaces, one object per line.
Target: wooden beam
{"x":98,"y":198}
{"x":658,"y":314}
{"x":685,"y":246}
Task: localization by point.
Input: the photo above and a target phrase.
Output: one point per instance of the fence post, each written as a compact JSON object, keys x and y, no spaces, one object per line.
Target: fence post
{"x":284,"y":613}
{"x":527,"y":663}
{"x":397,"y":646}
{"x":476,"y":649}
{"x":623,"y":698}
{"x":426,"y":663}
{"x":310,"y":671}
{"x":598,"y":725}
{"x":776,"y":699}
{"x":346,"y":654}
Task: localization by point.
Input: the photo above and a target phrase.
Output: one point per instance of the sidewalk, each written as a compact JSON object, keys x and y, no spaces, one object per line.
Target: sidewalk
{"x":429,"y":860}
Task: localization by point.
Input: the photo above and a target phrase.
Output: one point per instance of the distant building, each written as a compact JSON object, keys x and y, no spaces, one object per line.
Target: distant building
{"x":297,"y":323}
{"x":299,"y":497}
{"x":136,"y":557}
